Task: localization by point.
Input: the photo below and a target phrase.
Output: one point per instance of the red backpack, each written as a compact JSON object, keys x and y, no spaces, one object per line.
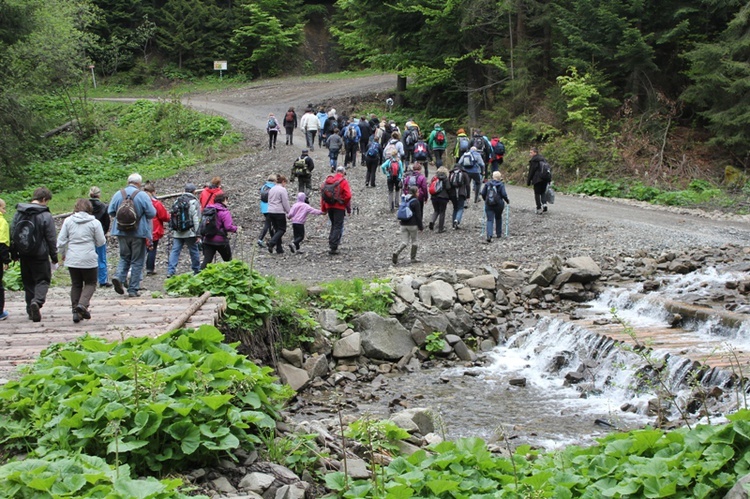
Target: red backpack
{"x":330,"y":191}
{"x":393,"y":169}
{"x":436,"y":186}
{"x":289,"y":117}
{"x":440,"y":138}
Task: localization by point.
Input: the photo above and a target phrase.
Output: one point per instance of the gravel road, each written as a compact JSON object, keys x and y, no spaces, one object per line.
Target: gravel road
{"x":574,"y":225}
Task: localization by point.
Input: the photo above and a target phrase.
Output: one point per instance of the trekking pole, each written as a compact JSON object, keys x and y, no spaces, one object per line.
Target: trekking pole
{"x":483,"y":226}
{"x":507,"y":219}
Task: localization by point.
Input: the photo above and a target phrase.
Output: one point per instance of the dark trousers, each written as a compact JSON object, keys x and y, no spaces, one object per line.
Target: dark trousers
{"x":299,"y":234}
{"x":351,"y":154}
{"x":289,"y":135}
{"x":210,"y":250}
{"x":336,"y":217}
{"x":439,"y":205}
{"x":540,"y":188}
{"x":278,"y":222}
{"x":477,"y":178}
{"x":2,"y":289}
{"x":305,"y":184}
{"x":151,"y":256}
{"x":82,"y":285}
{"x":272,"y":134}
{"x":267,"y":227}
{"x":494,"y":218}
{"x":36,"y":275}
{"x":372,"y":170}
{"x":438,"y":157}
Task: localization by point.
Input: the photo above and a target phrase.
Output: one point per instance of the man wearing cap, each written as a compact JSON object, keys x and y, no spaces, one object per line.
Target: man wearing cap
{"x":302,"y":169}
{"x":337,"y":211}
{"x":189,"y":236}
{"x":132,"y":243}
{"x":100,"y":213}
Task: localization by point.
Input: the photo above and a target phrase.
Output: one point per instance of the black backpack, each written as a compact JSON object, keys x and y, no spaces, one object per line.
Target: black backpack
{"x":126,"y":214}
{"x":479,"y":143}
{"x":456,"y":179}
{"x":264,"y":193}
{"x":26,"y":236}
{"x":209,"y":225}
{"x":545,"y":171}
{"x":181,"y":220}
{"x":493,"y":197}
{"x":411,"y":137}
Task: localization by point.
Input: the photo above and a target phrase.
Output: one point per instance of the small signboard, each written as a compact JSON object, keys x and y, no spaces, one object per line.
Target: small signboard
{"x":220,"y":65}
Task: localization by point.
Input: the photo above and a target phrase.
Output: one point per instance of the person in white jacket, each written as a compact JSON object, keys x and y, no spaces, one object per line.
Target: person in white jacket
{"x":309,"y":125}
{"x":80,"y":235}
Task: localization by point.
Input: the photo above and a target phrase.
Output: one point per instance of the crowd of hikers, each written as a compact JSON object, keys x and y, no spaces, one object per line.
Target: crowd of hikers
{"x":203,"y":223}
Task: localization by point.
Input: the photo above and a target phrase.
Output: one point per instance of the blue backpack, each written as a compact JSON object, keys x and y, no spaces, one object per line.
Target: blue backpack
{"x":404,"y":212}
{"x":374,"y":150}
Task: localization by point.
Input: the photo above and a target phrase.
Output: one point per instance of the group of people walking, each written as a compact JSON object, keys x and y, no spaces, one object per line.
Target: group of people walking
{"x":135,"y":216}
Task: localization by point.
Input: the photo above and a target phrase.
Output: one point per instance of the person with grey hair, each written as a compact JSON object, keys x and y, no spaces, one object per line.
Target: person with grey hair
{"x":495,"y":198}
{"x":410,"y":226}
{"x":132,"y":242}
{"x":186,"y":217}
{"x":100,"y":213}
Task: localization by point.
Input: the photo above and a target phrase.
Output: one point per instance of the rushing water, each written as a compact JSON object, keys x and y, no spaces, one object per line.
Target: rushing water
{"x":545,"y":412}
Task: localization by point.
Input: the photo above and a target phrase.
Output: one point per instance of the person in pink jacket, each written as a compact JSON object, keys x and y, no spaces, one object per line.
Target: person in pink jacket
{"x":298,"y":215}
{"x":219,"y":241}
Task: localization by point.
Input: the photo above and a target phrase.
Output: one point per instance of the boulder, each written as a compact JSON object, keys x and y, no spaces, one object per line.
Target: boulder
{"x":383,"y":338}
{"x":465,"y":295}
{"x":357,"y":468}
{"x":294,"y":357}
{"x":316,"y":365}
{"x":460,"y":320}
{"x":293,"y":376}
{"x":573,"y":291}
{"x":436,"y":322}
{"x":438,"y":293}
{"x":545,"y":273}
{"x":415,"y":419}
{"x":321,"y":343}
{"x":405,"y":291}
{"x":223,"y":485}
{"x":510,"y":279}
{"x":463,"y":352}
{"x":292,"y":491}
{"x":256,"y":482}
{"x":419,"y":332}
{"x":348,"y":346}
{"x":485,"y":281}
{"x":583,"y":269}
{"x":329,"y":320}
{"x":448,"y":276}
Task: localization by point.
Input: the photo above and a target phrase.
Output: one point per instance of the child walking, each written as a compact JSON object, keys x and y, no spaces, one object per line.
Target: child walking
{"x":298,"y":215}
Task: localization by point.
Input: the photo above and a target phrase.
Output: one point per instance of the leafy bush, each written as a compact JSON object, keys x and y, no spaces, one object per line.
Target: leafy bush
{"x":703,"y":462}
{"x":435,"y":342}
{"x":248,"y":293}
{"x":643,"y":192}
{"x":167,"y":403}
{"x":377,"y":435}
{"x":350,"y":298}
{"x":597,"y":187}
{"x":12,"y":277}
{"x":83,"y":477}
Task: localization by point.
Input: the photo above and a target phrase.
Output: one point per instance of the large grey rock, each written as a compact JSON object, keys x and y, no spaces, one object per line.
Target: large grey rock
{"x":294,"y":357}
{"x":545,"y":272}
{"x":329,"y":320}
{"x":460,"y":320}
{"x":415,"y":419}
{"x":573,"y":291}
{"x":383,"y":338}
{"x":463,"y":352}
{"x":321,"y":343}
{"x":510,"y":279}
{"x":256,"y":482}
{"x":293,"y":376}
{"x":316,"y":365}
{"x":438,"y":293}
{"x":223,"y":485}
{"x":405,"y":291}
{"x":465,"y":295}
{"x":436,"y":322}
{"x":357,"y":468}
{"x":485,"y":281}
{"x":738,"y":491}
{"x":292,"y":491}
{"x":419,"y":332}
{"x":583,"y":269}
{"x":348,"y":346}
{"x":448,"y":276}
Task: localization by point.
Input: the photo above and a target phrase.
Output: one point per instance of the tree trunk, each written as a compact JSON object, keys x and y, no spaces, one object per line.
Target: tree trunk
{"x":400,"y":89}
{"x":474,"y":102}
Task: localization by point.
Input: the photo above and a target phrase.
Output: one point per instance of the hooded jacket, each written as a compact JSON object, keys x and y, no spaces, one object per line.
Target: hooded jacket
{"x":80,"y":235}
{"x":209,"y":194}
{"x":162,"y":217}
{"x":387,"y":165}
{"x":346,"y":195}
{"x":499,"y":187}
{"x":278,"y":199}
{"x":462,"y":189}
{"x":432,"y":140}
{"x":535,"y":169}
{"x":445,"y":193}
{"x":264,"y":205}
{"x":100,"y":213}
{"x":46,"y":227}
{"x":422,"y":193}
{"x":224,"y":223}
{"x":300,"y":210}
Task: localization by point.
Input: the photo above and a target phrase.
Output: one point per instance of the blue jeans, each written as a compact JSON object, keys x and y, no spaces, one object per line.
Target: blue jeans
{"x":333,"y":155}
{"x":132,"y":258}
{"x":151,"y":256}
{"x":458,"y":208}
{"x":494,"y":212}
{"x":174,"y":255}
{"x":101,"y":252}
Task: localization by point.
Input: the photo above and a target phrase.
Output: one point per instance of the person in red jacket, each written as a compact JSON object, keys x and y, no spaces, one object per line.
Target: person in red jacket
{"x":157,"y":231}
{"x":336,"y":207}
{"x":208,"y":194}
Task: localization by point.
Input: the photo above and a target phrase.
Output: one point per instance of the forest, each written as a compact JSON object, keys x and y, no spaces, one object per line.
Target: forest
{"x":653,"y":90}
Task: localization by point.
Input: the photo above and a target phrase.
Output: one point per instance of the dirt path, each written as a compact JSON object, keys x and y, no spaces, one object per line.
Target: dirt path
{"x":573,"y":226}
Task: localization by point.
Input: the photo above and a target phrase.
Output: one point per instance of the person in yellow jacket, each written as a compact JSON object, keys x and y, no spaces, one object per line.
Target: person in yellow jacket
{"x":4,"y":257}
{"x":463,"y":144}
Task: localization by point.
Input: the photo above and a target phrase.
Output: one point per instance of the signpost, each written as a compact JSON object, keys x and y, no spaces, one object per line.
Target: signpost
{"x":220,"y":66}
{"x":93,"y":77}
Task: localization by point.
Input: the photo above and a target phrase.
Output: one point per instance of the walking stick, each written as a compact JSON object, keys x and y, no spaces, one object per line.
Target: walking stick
{"x":507,"y":219}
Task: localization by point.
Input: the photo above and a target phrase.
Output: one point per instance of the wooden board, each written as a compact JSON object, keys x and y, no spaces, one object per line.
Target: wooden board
{"x":112,"y":318}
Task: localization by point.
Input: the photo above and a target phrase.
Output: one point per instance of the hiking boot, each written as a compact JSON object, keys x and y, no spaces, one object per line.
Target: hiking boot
{"x":394,"y":258}
{"x":489,"y":240}
{"x":292,"y":248}
{"x":333,"y":251}
{"x":118,"y":286}
{"x":105,"y":285}
{"x":538,"y":211}
{"x":4,"y":316}
{"x":261,"y":243}
{"x":76,"y":317}
{"x":413,"y":255}
{"x":34,"y":312}
{"x":134,"y":294}
{"x":83,"y":311}
{"x":432,"y":226}
{"x":150,"y":272}
{"x":270,"y":250}
{"x":544,"y":208}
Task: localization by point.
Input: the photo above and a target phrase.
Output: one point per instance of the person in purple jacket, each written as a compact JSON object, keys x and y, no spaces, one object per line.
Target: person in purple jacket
{"x":298,"y":215}
{"x":219,"y":243}
{"x":415,"y":177}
